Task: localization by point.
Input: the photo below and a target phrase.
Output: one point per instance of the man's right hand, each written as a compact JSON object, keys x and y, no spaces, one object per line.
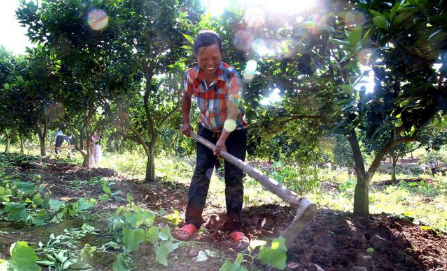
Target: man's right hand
{"x":186,"y":127}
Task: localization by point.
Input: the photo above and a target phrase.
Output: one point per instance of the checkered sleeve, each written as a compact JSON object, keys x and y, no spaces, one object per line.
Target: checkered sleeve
{"x":234,"y":87}
{"x":187,"y":83}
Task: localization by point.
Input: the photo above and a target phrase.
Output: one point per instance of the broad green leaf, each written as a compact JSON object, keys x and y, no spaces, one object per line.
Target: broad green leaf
{"x":17,"y":211}
{"x":40,"y":218}
{"x":25,"y":187}
{"x":148,"y":217}
{"x":55,"y":205}
{"x":104,"y":197}
{"x":132,"y":238}
{"x":85,"y":205}
{"x":406,"y":15}
{"x":84,"y":259}
{"x":276,"y":254}
{"x":129,"y":198}
{"x":165,"y":233}
{"x":381,"y":22}
{"x":348,"y":89}
{"x":395,"y":8}
{"x":228,"y":266}
{"x":23,"y":258}
{"x":152,"y":234}
{"x":105,"y":188}
{"x":355,"y":36}
{"x":170,"y":245}
{"x":37,"y":199}
{"x":162,"y":255}
{"x":189,"y":38}
{"x":135,"y":220}
{"x":375,"y":13}
{"x":123,"y":263}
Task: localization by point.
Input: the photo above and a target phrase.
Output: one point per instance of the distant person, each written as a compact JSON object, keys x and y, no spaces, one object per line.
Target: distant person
{"x":70,"y":143}
{"x":95,"y":150}
{"x":433,"y":167}
{"x":59,"y":138}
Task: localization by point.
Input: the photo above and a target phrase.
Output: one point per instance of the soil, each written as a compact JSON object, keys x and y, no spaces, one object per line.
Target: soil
{"x":333,"y":241}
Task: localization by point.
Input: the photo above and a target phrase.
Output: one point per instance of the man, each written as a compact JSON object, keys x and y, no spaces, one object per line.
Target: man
{"x":216,"y":87}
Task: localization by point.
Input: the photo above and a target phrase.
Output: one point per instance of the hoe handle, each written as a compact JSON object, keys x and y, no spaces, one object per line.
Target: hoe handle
{"x":281,"y":191}
{"x":305,"y":210}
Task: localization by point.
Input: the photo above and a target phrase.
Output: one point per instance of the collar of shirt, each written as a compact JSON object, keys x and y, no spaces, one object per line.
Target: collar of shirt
{"x":220,"y":72}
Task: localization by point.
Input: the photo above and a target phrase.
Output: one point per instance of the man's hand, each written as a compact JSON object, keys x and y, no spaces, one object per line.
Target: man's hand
{"x":186,"y":127}
{"x":220,"y":145}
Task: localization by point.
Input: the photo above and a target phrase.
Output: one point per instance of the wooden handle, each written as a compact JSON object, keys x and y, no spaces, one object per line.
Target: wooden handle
{"x":281,"y":191}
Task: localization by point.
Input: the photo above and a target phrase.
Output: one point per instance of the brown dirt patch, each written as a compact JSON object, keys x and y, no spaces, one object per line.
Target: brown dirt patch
{"x":334,"y":241}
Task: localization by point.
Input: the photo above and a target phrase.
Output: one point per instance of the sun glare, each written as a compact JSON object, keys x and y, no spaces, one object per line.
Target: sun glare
{"x":287,"y":7}
{"x":260,"y":7}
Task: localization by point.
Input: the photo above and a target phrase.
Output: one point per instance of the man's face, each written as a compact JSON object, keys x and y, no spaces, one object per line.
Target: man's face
{"x":209,"y":59}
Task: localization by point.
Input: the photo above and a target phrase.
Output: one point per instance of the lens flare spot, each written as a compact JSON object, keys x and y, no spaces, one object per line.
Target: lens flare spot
{"x":254,"y":17}
{"x":243,"y":40}
{"x":230,"y":125}
{"x":250,"y":70}
{"x":97,"y":19}
{"x":248,"y":77}
{"x":251,"y":67}
{"x":354,"y":19}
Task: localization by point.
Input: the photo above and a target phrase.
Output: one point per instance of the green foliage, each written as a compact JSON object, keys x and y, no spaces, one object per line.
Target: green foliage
{"x":236,"y":266}
{"x":276,"y":254}
{"x":123,"y":263}
{"x":342,"y":152}
{"x":29,"y":203}
{"x":129,"y":163}
{"x":61,"y":252}
{"x":348,"y":186}
{"x":23,"y":258}
{"x":300,"y":179}
{"x":108,"y":194}
{"x":132,"y":225}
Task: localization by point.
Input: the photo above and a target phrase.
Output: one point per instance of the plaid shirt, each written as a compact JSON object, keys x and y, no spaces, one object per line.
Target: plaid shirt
{"x":212,"y":99}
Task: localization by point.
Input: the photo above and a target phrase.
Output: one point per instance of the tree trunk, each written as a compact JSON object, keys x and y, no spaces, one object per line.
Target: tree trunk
{"x":393,"y":170}
{"x":361,"y":192}
{"x":8,"y":145}
{"x":150,"y":166}
{"x":361,"y":196}
{"x":43,"y":151}
{"x":22,"y":148}
{"x":85,"y":162}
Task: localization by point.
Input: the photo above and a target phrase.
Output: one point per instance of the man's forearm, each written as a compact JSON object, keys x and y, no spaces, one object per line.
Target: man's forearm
{"x":186,"y":108}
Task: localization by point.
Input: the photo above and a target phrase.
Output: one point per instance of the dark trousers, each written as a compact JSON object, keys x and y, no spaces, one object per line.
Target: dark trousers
{"x":234,"y":188}
{"x":59,"y":140}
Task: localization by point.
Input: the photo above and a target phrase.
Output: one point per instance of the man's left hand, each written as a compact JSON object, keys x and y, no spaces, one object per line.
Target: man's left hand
{"x":220,"y":145}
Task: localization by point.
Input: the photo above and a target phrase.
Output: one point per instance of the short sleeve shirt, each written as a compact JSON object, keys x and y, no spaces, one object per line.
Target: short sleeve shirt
{"x":212,"y":100}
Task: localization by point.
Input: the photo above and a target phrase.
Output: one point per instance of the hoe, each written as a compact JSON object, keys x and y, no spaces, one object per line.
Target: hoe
{"x":305,"y":210}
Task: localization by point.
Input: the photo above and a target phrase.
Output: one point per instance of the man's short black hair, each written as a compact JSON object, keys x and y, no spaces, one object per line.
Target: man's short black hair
{"x":206,"y":38}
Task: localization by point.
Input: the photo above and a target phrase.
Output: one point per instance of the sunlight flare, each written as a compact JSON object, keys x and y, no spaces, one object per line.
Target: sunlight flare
{"x":97,"y":19}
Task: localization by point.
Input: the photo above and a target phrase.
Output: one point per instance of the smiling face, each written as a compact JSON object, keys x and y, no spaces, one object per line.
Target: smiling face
{"x":209,"y":59}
